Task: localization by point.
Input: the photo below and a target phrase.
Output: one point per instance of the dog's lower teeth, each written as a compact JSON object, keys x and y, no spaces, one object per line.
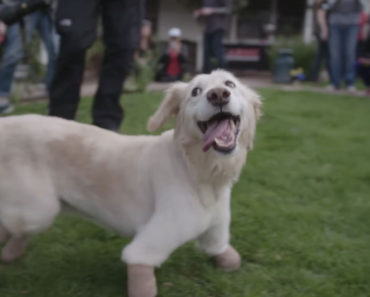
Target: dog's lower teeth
{"x":218,"y":142}
{"x":225,"y":141}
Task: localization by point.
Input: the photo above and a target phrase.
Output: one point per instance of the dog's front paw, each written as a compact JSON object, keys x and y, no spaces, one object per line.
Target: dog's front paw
{"x":141,"y":281}
{"x":229,"y":260}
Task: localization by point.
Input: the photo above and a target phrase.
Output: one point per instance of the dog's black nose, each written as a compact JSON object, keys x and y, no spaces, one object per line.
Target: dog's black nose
{"x":218,"y":96}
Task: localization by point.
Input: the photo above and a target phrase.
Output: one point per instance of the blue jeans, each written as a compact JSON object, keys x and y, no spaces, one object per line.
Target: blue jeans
{"x":213,"y":47}
{"x":13,"y":50}
{"x":342,"y":46}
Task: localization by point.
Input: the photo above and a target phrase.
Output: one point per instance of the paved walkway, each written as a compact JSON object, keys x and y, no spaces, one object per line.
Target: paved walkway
{"x":323,"y":90}
{"x":265,"y":81}
{"x":254,"y":80}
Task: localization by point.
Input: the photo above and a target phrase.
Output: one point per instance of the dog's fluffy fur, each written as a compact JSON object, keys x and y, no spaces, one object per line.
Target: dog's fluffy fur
{"x":163,"y":190}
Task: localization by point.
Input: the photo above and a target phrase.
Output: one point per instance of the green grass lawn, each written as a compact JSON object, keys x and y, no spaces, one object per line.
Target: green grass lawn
{"x":301,"y":214}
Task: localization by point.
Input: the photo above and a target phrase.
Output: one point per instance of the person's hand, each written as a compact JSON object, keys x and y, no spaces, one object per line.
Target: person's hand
{"x":324,"y":34}
{"x":2,"y":28}
{"x":2,"y":31}
{"x":364,"y":61}
{"x":204,"y":11}
{"x":196,"y":13}
{"x":174,"y":47}
{"x":207,"y":11}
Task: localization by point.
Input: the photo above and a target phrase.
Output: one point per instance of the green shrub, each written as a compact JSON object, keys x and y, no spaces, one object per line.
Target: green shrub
{"x":32,"y":51}
{"x":36,"y":70}
{"x":94,"y":55}
{"x":142,"y":72}
{"x":304,"y":54}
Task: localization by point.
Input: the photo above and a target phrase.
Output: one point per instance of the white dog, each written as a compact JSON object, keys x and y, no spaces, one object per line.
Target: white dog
{"x":163,"y":190}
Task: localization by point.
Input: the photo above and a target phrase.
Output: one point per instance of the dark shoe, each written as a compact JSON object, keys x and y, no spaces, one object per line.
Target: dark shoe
{"x":6,"y":109}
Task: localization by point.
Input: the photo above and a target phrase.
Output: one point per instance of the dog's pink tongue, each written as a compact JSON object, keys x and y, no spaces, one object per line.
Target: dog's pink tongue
{"x":214,"y":131}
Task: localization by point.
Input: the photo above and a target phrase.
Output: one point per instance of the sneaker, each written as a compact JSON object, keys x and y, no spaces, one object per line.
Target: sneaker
{"x":5,"y":106}
{"x":352,"y":89}
{"x":331,"y":88}
{"x":6,"y":109}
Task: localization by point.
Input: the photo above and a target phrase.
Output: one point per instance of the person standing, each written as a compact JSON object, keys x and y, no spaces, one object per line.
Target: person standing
{"x":344,"y":19}
{"x":363,"y":60}
{"x":322,"y":51}
{"x":215,"y":15}
{"x":76,"y":22}
{"x":13,"y":51}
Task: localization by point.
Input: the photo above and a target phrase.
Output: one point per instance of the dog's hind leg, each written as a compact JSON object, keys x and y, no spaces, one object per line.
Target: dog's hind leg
{"x":25,"y":212}
{"x":28,"y":205}
{"x":26,"y":220}
{"x":14,"y":248}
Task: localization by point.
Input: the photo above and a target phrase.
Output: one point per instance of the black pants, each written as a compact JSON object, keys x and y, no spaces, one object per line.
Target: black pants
{"x":77,"y":25}
{"x":322,"y":54}
{"x":364,"y":72}
{"x":213,"y":48}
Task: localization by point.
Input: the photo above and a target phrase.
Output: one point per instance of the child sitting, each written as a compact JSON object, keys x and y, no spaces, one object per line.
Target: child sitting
{"x":172,"y":63}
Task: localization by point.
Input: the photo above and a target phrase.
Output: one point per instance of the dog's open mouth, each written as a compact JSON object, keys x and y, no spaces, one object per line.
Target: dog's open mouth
{"x":221,"y":132}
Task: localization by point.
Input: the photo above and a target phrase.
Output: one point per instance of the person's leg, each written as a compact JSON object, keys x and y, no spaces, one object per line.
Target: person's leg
{"x":335,"y":55}
{"x":366,"y":76}
{"x":207,"y":52}
{"x":364,"y":73}
{"x":46,"y":30}
{"x":12,"y":54}
{"x":318,"y":59}
{"x":30,"y":24}
{"x":76,"y":24}
{"x":350,"y":42}
{"x":121,"y":25}
{"x":218,"y":48}
{"x":326,"y":57}
{"x":361,"y":72}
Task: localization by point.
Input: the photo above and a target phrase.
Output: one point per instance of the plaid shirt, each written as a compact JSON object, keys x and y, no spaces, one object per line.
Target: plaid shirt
{"x":344,"y":12}
{"x":219,"y":20}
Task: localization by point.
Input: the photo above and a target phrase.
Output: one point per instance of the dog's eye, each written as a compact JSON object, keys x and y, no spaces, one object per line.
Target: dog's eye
{"x":196,"y":91}
{"x":230,"y":84}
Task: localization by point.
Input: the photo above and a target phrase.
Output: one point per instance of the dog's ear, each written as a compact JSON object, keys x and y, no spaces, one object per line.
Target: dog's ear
{"x":169,"y":106}
{"x":255,"y":101}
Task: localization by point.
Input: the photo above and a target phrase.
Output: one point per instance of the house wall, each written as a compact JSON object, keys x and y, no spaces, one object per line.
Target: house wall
{"x":172,"y":15}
